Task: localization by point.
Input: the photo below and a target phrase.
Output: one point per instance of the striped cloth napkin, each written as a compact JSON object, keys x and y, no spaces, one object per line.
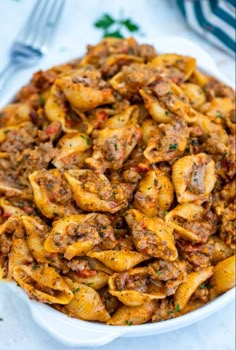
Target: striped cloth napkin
{"x":213,"y":19}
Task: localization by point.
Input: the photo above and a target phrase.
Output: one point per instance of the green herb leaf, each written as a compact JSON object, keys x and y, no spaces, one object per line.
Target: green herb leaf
{"x":173,"y":146}
{"x":159,"y":272}
{"x":170,"y":312}
{"x":166,"y":212}
{"x":129,"y":323}
{"x":219,"y":114}
{"x":41,"y":101}
{"x":76,"y":290}
{"x":35,"y":267}
{"x":89,"y":284}
{"x":130,"y":25}
{"x":104,"y":22}
{"x":202,"y":286}
{"x":223,"y":156}
{"x":50,"y":259}
{"x":177,"y":308}
{"x":6,"y":131}
{"x":115,"y":34}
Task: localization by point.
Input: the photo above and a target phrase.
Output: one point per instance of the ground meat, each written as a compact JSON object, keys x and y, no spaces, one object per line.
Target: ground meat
{"x":196,"y":181}
{"x":16,"y":140}
{"x":78,"y":264}
{"x":228,"y":232}
{"x":169,"y":142}
{"x":113,"y":149}
{"x":172,"y":273}
{"x":202,"y":293}
{"x":215,"y":88}
{"x":164,"y":270}
{"x":197,"y":259}
{"x":164,"y":311}
{"x":204,"y":226}
{"x":147,"y":52}
{"x":138,"y":282}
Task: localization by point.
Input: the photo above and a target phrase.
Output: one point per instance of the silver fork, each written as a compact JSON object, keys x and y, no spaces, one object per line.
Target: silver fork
{"x":32,"y":42}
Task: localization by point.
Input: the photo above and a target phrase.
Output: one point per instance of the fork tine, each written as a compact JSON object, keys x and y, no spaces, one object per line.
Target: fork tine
{"x":27,"y":28}
{"x":39,"y":22}
{"x":49,"y":26}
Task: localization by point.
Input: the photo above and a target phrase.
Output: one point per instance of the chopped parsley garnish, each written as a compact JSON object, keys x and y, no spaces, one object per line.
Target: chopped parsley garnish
{"x":89,"y":284}
{"x":219,"y":114}
{"x":202,"y":286}
{"x":101,"y":234}
{"x":155,"y":182}
{"x":159,"y":272}
{"x":41,"y":101}
{"x":223,"y":155}
{"x":76,"y":290}
{"x":112,"y":27}
{"x":195,"y":143}
{"x":35,"y":267}
{"x":170,"y":312}
{"x":166,"y":112}
{"x":173,"y":146}
{"x":166,"y":212}
{"x":149,"y":187}
{"x":88,"y":141}
{"x":50,"y":259}
{"x":177,"y":308}
{"x":6,"y":131}
{"x":129,"y":323}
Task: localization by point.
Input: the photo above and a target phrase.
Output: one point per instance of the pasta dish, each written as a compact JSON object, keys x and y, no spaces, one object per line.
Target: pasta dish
{"x":117,"y":186}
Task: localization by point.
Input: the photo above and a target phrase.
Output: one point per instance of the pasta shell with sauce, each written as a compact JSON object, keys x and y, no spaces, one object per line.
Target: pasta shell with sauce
{"x":55,"y":108}
{"x":194,"y":178}
{"x":152,"y":235}
{"x":186,"y":289}
{"x":133,"y":315}
{"x":223,"y":277}
{"x":42,"y":283}
{"x":75,"y":235}
{"x":155,"y":194}
{"x":36,"y":232}
{"x":187,"y":213}
{"x":84,"y":97}
{"x":52,"y":195}
{"x":141,"y":289}
{"x":185,"y":64}
{"x":97,"y":276}
{"x":19,"y":255}
{"x":72,"y":146}
{"x":118,"y":260}
{"x":86,"y":303}
{"x":94,"y":192}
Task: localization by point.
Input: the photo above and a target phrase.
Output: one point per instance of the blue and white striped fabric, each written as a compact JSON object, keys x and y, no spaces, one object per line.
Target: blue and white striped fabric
{"x":213,"y":19}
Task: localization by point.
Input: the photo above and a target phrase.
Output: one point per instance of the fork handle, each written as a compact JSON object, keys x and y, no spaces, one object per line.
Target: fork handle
{"x":6,"y":73}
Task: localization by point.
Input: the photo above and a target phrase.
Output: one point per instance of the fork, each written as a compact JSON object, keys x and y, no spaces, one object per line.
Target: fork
{"x":31,"y":44}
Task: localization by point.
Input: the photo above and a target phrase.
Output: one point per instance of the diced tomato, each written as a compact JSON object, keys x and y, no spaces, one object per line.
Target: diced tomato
{"x":86,"y":273}
{"x":6,"y":215}
{"x":53,"y":128}
{"x":100,"y":118}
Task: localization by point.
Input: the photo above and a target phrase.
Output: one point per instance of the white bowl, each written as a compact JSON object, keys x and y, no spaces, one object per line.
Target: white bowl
{"x":73,"y":332}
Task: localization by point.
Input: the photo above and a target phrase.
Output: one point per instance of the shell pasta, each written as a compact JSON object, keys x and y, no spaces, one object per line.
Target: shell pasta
{"x":117,"y":186}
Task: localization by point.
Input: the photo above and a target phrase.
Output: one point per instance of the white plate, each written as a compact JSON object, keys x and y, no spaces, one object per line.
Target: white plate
{"x":74,"y":332}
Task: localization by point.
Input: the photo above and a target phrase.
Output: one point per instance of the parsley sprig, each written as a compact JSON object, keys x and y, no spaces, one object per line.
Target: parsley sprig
{"x":112,"y":27}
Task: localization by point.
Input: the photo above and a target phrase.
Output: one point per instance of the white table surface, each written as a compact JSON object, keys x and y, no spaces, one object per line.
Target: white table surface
{"x":157,"y":18}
